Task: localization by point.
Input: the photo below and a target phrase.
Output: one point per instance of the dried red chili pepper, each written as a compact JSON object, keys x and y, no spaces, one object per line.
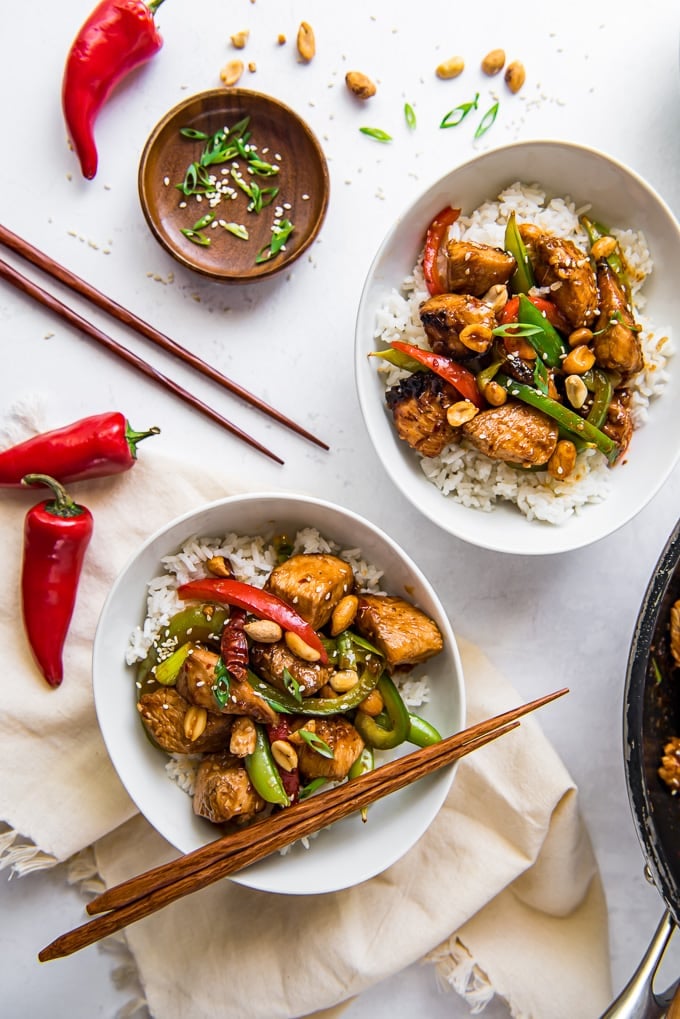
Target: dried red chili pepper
{"x":56,"y":535}
{"x":234,"y":645}
{"x":93,"y":447}
{"x":261,"y":603}
{"x":118,"y":36}
{"x":289,"y":779}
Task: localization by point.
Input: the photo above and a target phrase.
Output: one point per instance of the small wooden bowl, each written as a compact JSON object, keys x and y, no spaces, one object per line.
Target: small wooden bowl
{"x":281,"y":138}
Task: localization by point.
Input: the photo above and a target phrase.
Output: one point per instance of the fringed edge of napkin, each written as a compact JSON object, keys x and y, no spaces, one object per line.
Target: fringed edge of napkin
{"x":21,"y":855}
{"x":457,"y":970}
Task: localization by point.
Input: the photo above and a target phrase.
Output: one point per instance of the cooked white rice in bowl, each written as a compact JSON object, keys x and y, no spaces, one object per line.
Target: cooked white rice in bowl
{"x":488,"y":502}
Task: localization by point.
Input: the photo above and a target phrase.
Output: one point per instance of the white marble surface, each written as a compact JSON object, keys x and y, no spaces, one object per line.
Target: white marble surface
{"x":593,"y":76}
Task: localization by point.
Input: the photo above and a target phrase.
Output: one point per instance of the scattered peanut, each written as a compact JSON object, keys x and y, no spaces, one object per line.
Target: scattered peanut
{"x":576,"y":390}
{"x":373,"y":704}
{"x":450,"y":68}
{"x":581,"y":359}
{"x":459,"y":413}
{"x":243,"y":737}
{"x":281,"y":39}
{"x":299,"y":648}
{"x":219,"y":567}
{"x":252,"y":67}
{"x":344,"y":680}
{"x":493,"y":62}
{"x":231,"y":72}
{"x":561,"y":463}
{"x":306,"y":43}
{"x":360,"y":85}
{"x":195,"y":722}
{"x":515,"y":76}
{"x":344,"y":614}
{"x":495,"y":394}
{"x":603,"y":247}
{"x":284,"y":754}
{"x":580,"y":336}
{"x":266,"y":631}
{"x":476,"y":336}
{"x":239,"y":39}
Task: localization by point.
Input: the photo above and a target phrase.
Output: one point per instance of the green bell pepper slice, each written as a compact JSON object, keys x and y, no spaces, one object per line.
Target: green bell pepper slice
{"x":385,"y":737}
{"x":315,"y":707}
{"x":198,"y":623}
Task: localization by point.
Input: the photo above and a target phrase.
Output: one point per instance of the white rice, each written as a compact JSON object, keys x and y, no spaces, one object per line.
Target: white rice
{"x":460,"y":471}
{"x":252,"y":560}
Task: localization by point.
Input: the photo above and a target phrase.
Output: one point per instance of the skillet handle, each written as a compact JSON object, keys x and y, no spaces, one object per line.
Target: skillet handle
{"x":637,"y":1000}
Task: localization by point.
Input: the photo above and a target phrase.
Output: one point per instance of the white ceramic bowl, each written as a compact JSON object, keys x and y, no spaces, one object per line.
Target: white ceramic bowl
{"x":617,"y":196}
{"x":350,"y":851}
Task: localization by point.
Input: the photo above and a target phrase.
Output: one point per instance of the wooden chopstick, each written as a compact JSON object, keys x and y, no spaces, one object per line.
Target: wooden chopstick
{"x":139,"y":897}
{"x":80,"y":286}
{"x":11,"y":275}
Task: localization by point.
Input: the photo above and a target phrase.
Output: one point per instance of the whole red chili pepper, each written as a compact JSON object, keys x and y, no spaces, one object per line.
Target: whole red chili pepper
{"x":433,"y":242}
{"x":118,"y":36}
{"x":261,"y":603}
{"x":56,"y":535}
{"x":93,"y":447}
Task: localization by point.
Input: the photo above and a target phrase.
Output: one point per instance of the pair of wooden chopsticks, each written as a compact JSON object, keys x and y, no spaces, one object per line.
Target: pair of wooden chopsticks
{"x":128,"y":318}
{"x":140,"y":896}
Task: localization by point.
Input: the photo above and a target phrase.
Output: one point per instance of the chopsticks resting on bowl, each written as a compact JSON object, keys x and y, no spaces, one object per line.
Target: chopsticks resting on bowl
{"x":140,"y":896}
{"x":80,"y":286}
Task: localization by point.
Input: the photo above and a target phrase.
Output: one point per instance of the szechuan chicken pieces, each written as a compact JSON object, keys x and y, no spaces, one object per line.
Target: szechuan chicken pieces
{"x":166,"y":717}
{"x":342,"y":738}
{"x":444,"y":318}
{"x":399,"y":630}
{"x":196,"y":680}
{"x":271,"y":661}
{"x":563,"y":267}
{"x":675,"y":632}
{"x":615,"y":342}
{"x":313,"y":584}
{"x":419,"y":404}
{"x":514,"y":433}
{"x":223,"y":790}
{"x":475,"y":268}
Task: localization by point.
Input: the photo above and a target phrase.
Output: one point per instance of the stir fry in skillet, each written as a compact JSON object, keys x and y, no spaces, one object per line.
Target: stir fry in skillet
{"x":669,"y":772}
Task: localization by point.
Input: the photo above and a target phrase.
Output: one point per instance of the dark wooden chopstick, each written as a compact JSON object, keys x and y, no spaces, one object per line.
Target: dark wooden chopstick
{"x":59,"y":272}
{"x":11,"y":275}
{"x":139,"y":897}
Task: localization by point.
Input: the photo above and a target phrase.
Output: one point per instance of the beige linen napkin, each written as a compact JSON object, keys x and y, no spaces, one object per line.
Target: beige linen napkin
{"x":502,"y":891}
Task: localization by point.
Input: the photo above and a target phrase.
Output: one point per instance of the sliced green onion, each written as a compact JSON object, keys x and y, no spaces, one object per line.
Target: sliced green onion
{"x":316,"y":743}
{"x":196,"y":237}
{"x":311,"y":787}
{"x":658,"y":678}
{"x":455,"y":116}
{"x":191,"y":132}
{"x":222,"y":685}
{"x":280,"y":235}
{"x":377,"y":133}
{"x":410,"y":115}
{"x":487,"y":120}
{"x":237,"y":229}
{"x":516,"y":329}
{"x":291,"y":684}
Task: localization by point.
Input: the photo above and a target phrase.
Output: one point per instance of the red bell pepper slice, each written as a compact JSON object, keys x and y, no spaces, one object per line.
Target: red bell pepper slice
{"x":261,"y":603}
{"x":433,"y":242}
{"x":547,"y":308}
{"x":459,"y":377}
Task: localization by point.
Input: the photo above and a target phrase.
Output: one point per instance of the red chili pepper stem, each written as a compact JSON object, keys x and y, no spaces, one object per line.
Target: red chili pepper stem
{"x":154,"y":5}
{"x":63,"y":505}
{"x":134,"y":438}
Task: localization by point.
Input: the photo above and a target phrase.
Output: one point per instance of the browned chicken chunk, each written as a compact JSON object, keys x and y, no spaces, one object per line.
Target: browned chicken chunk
{"x":474,"y":268}
{"x":163,"y":712}
{"x":419,"y":404}
{"x":514,"y":433}
{"x":558,"y":261}
{"x":270,"y":660}
{"x":402,"y":632}
{"x":616,"y":344}
{"x":197,"y":678}
{"x":341,"y":737}
{"x":618,"y":424}
{"x":223,"y":790}
{"x":446,"y":315}
{"x":313,"y":584}
{"x":669,"y":772}
{"x":675,"y":632}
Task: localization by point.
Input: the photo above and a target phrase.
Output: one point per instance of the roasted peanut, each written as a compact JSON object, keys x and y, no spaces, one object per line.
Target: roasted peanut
{"x":459,"y":413}
{"x":194,"y":723}
{"x":580,"y":336}
{"x":450,"y":68}
{"x":360,"y":85}
{"x":239,"y":39}
{"x":219,"y":566}
{"x":284,"y":754}
{"x":576,"y":390}
{"x":266,"y":631}
{"x":231,"y":72}
{"x":299,"y":648}
{"x":344,"y":680}
{"x":579,"y":360}
{"x":493,"y":62}
{"x":373,"y":704}
{"x":495,"y":394}
{"x":243,"y":737}
{"x":252,"y":67}
{"x":515,"y":76}
{"x":344,"y":614}
{"x":281,"y":39}
{"x":476,"y":336}
{"x":561,"y":463}
{"x":496,"y":297}
{"x":306,"y":43}
{"x":603,"y":247}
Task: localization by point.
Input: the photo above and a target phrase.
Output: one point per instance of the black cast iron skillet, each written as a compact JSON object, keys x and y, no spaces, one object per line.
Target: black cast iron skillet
{"x":651,"y":717}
